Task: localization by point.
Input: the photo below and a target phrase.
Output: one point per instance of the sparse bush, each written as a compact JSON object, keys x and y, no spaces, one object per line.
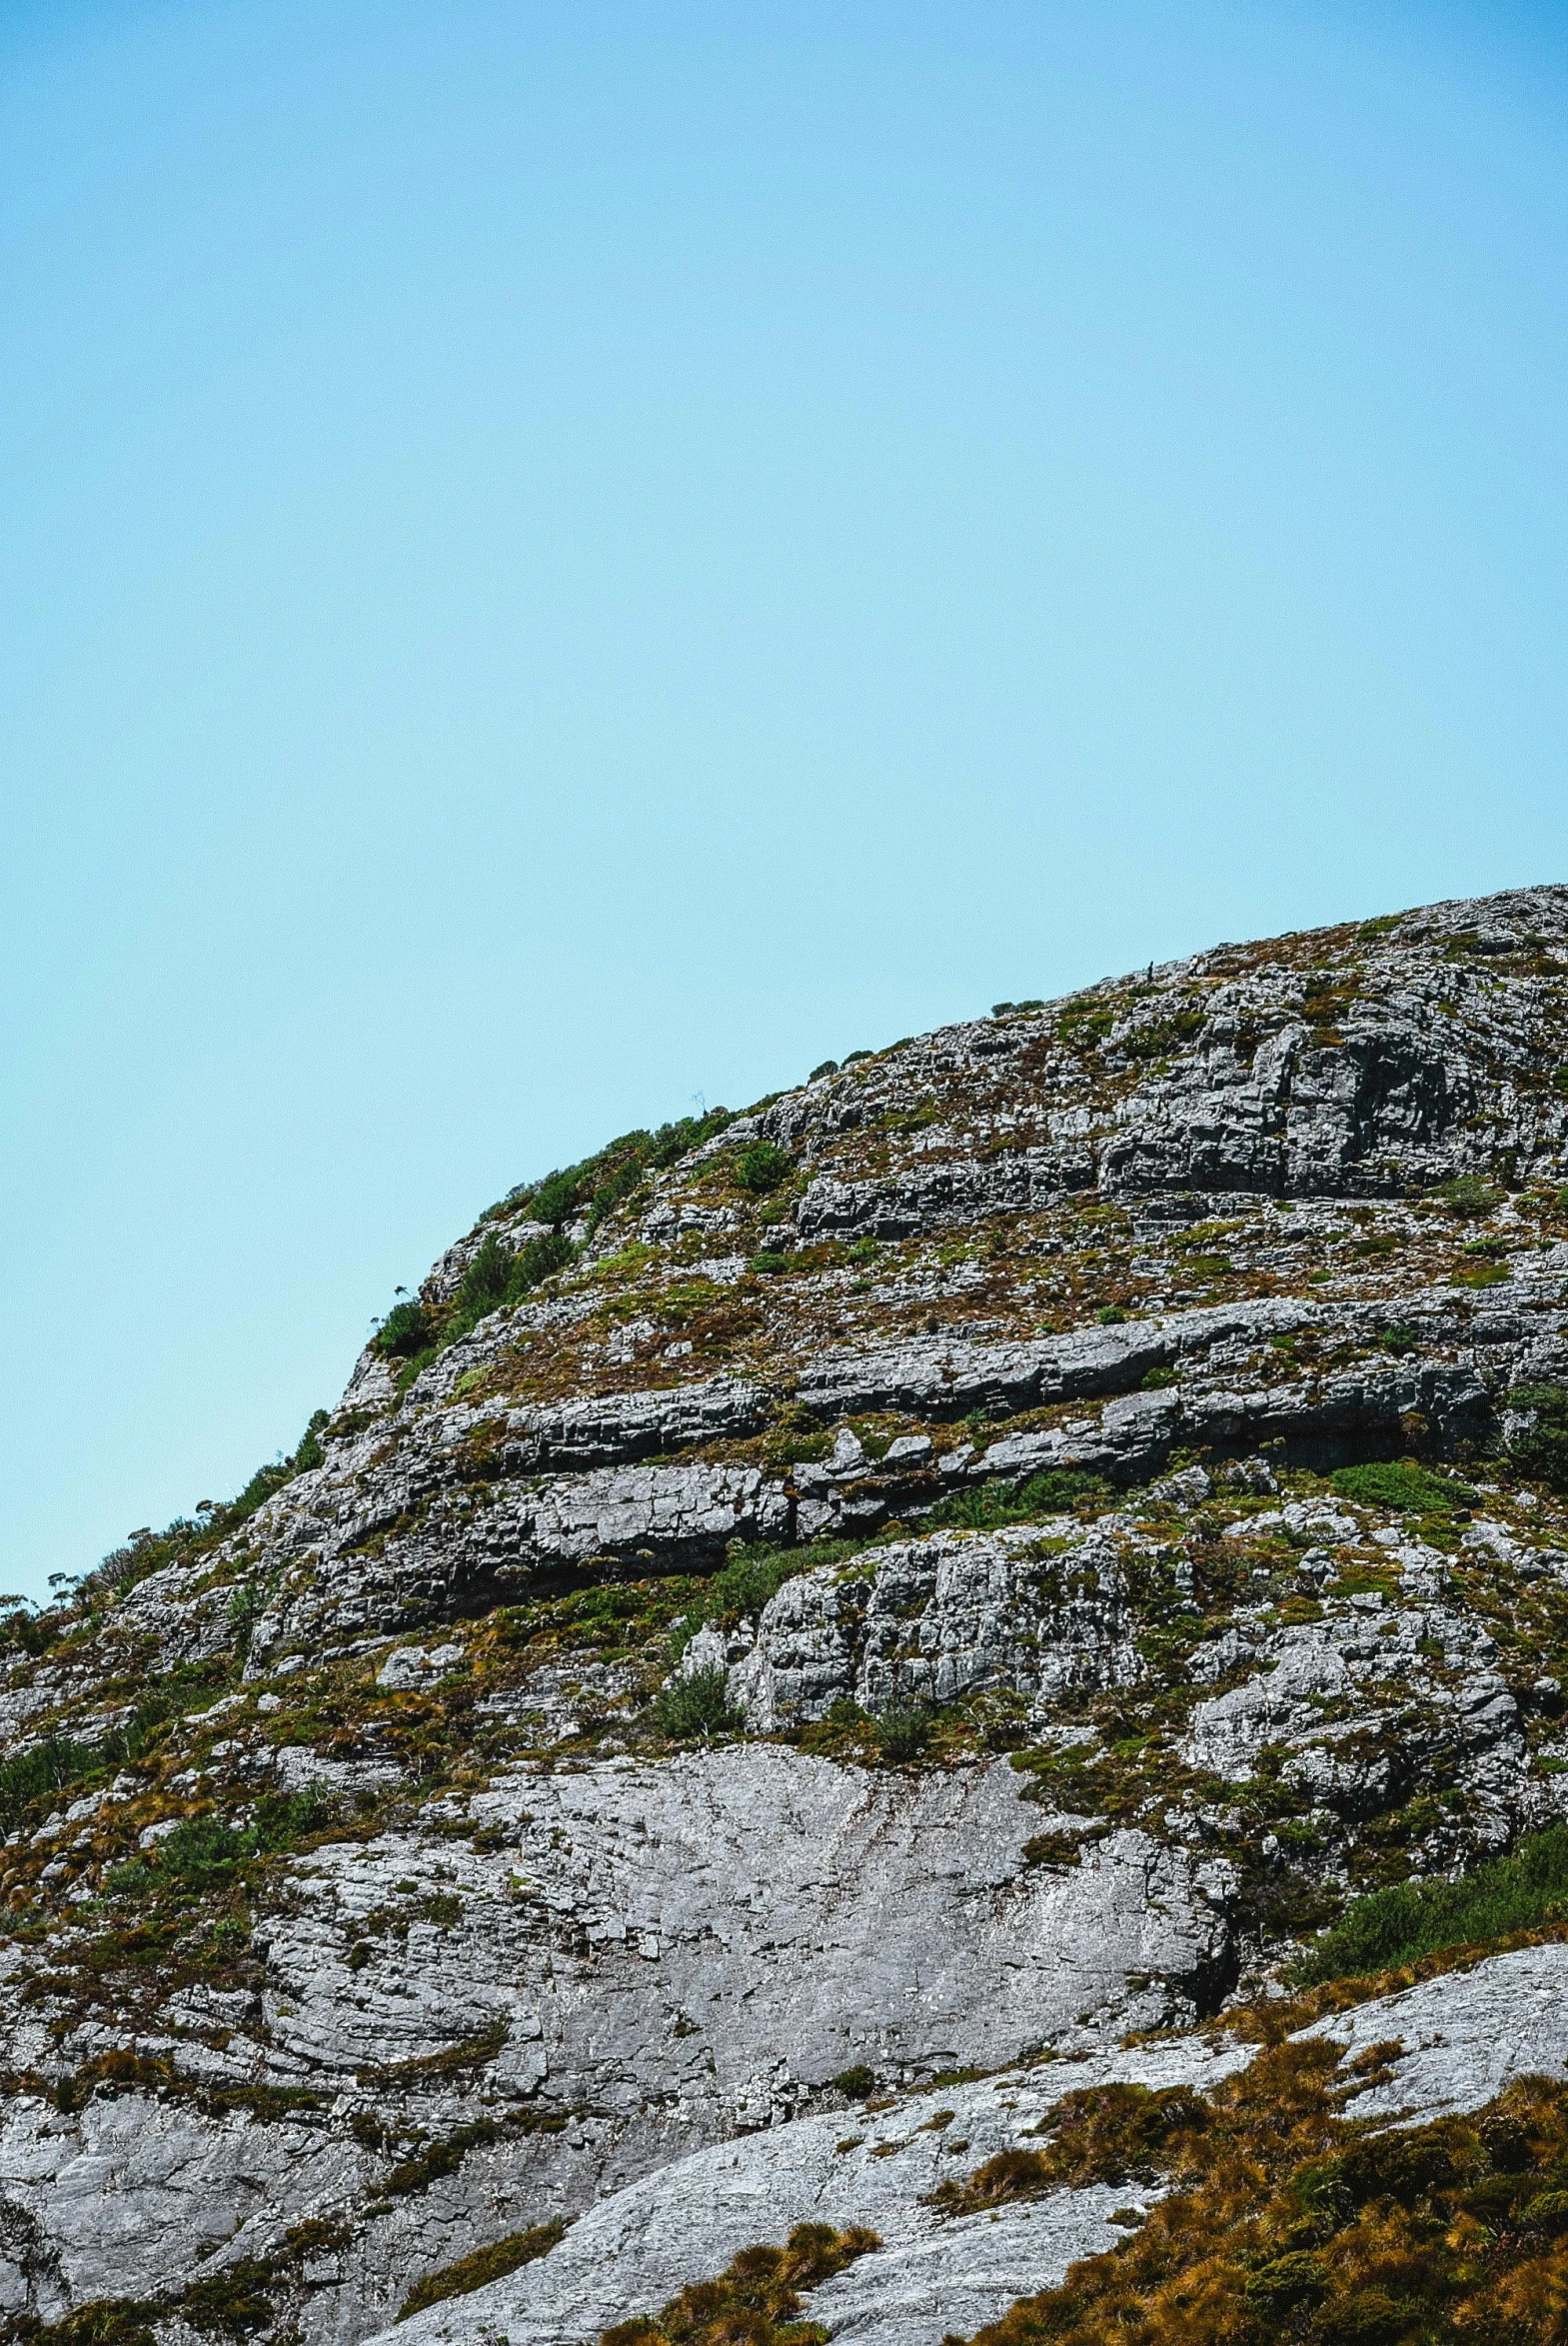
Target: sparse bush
{"x":47,"y":1768}
{"x":246,"y":1607}
{"x":282,"y":1818}
{"x":756,"y":2300}
{"x":992,"y":1504}
{"x":1399,"y":1483}
{"x":751,"y":1575}
{"x":1541,"y":1447}
{"x":555,"y":1196}
{"x":498,"y":1277}
{"x":407,"y":1330}
{"x":483,"y":2264}
{"x":202,"y":1854}
{"x":1468,"y":1196}
{"x":696,"y":1706}
{"x":903,"y":1731}
{"x":857,"y":2082}
{"x":483,"y":1286}
{"x":762,"y":1166}
{"x":1416,"y":1918}
{"x":310,"y":1452}
{"x":104,"y":2321}
{"x":539,"y":1260}
{"x":134,"y":1879}
{"x":233,"y":2301}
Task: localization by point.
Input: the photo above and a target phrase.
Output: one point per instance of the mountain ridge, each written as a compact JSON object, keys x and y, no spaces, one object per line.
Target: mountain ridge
{"x":970,"y":1563}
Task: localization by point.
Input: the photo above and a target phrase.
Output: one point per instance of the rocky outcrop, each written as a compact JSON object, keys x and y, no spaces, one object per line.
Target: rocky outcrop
{"x":880,"y":1600}
{"x":1460,"y":2041}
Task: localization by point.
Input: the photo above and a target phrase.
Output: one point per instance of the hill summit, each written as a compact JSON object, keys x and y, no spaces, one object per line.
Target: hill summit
{"x":861,"y":1706}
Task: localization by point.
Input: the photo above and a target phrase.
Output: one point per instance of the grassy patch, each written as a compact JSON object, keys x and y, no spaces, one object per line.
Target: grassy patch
{"x":1415,"y":1918}
{"x":1400,"y":1483}
{"x":696,"y":1706}
{"x":995,"y":1504}
{"x":1290,"y":2221}
{"x":756,"y":2300}
{"x":485,"y":2264}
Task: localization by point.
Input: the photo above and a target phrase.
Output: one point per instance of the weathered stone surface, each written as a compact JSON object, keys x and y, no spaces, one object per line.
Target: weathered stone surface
{"x":929,"y":1621}
{"x":500,"y":1949}
{"x":1466,"y":2036}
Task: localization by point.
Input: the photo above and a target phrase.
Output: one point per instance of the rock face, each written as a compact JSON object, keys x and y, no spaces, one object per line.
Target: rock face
{"x":823,"y":1604}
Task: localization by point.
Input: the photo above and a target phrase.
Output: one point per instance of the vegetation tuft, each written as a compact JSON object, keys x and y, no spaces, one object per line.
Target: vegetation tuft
{"x":992,"y":1504}
{"x":695,"y":1705}
{"x":903,"y":1731}
{"x":1290,"y":2221}
{"x":1103,"y":2134}
{"x":1540,"y":1449}
{"x":762,"y":1166}
{"x":485,"y":2264}
{"x":755,"y":2301}
{"x":1415,"y":1918}
{"x":1400,"y":1483}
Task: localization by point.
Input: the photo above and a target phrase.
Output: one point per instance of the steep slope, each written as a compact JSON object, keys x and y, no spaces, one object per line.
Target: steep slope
{"x":979,"y":1557}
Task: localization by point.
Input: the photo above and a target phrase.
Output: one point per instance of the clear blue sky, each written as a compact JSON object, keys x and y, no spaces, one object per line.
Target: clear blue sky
{"x":556,"y":558}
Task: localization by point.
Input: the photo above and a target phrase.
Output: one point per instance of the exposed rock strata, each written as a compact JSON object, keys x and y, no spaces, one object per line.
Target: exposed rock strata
{"x":1009,"y":1377}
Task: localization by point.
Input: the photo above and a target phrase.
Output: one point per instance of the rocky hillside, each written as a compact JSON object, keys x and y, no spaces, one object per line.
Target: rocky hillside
{"x":954,"y":1677}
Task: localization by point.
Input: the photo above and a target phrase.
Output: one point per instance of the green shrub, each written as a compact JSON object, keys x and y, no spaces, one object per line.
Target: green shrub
{"x":233,"y":2301}
{"x":1165,"y":1035}
{"x":827,"y":1067}
{"x":680,"y":1634}
{"x":1401,"y":1483}
{"x":754,"y":2302}
{"x":539,"y":1260}
{"x":134,"y":1879}
{"x":554,"y":1198}
{"x":751,"y":1577}
{"x":857,"y":2082}
{"x":49,"y":1767}
{"x":309,"y":1452}
{"x":1541,"y":1448}
{"x":761,"y":1167}
{"x":483,"y":1286}
{"x":1468,"y":1196}
{"x":1111,"y":1315}
{"x":203,"y":1853}
{"x":695,"y":1705}
{"x":483,"y":2264}
{"x":407,"y":1330}
{"x":992,"y":1504}
{"x":903,"y":1731}
{"x":104,"y":2321}
{"x":1398,"y":1339}
{"x":1417,"y":1918}
{"x":246,"y":1607}
{"x":282,"y":1818}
